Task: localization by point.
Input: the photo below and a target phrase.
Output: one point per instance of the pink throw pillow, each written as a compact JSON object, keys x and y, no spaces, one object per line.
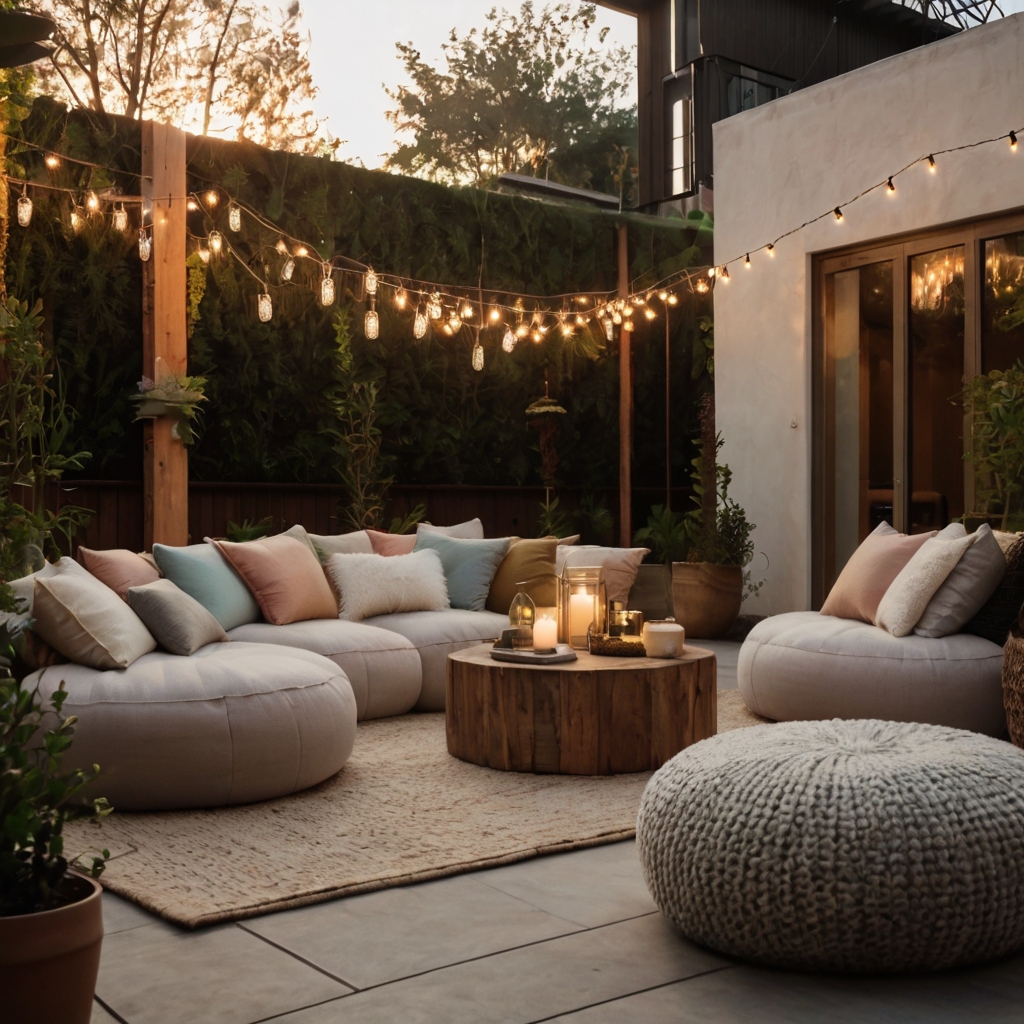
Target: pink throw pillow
{"x":869,"y":573}
{"x":392,"y":543}
{"x":285,"y":578}
{"x":119,"y":569}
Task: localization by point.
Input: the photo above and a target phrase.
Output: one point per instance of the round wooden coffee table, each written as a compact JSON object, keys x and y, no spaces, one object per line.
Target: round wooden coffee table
{"x":594,"y":716}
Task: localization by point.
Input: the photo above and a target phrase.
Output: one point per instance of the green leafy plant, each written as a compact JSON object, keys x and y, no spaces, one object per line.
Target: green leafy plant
{"x":553,"y":522}
{"x":666,"y":534}
{"x":995,"y":405}
{"x":248,"y":530}
{"x":594,"y":519}
{"x":179,"y":396}
{"x":37,"y":797}
{"x":404,"y":524}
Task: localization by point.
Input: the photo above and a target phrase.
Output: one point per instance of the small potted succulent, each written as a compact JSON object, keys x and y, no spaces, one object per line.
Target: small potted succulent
{"x":171,"y":395}
{"x":51,"y":919}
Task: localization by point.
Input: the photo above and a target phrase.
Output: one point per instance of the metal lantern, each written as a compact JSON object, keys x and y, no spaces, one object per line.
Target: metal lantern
{"x":24,"y":210}
{"x":582,"y":605}
{"x":234,"y":218}
{"x":265,"y":308}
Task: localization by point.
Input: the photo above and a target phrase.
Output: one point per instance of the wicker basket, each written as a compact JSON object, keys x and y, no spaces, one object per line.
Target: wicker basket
{"x":1013,"y":687}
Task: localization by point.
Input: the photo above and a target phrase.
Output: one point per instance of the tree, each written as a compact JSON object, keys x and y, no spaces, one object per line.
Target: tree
{"x":528,"y":93}
{"x":207,"y":62}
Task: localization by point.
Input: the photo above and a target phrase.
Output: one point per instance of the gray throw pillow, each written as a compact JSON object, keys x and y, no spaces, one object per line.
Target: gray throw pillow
{"x":178,"y":621}
{"x":966,"y":589}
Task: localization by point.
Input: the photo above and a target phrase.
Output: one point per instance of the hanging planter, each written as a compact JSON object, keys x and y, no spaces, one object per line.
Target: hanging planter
{"x":174,"y":396}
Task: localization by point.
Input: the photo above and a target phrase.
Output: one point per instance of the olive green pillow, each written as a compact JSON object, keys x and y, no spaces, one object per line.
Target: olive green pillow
{"x":525,"y":560}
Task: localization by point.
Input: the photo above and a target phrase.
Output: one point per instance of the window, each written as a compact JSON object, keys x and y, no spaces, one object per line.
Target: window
{"x":745,"y":93}
{"x":679,"y":108}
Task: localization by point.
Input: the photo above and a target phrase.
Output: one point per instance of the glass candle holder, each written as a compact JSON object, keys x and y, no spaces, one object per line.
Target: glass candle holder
{"x":583,"y":605}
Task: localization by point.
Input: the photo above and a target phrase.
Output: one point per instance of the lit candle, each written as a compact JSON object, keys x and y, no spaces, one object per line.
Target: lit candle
{"x":581,"y":613}
{"x":545,"y":633}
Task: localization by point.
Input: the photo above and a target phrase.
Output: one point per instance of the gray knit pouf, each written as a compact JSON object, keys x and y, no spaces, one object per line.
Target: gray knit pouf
{"x":841,"y":846}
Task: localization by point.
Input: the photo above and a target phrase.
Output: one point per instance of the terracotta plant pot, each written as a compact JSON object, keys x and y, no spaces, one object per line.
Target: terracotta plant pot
{"x":49,"y":961}
{"x":706,"y":597}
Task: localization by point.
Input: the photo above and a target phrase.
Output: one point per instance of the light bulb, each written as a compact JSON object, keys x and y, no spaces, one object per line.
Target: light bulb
{"x":583,"y":300}
{"x":494,"y":315}
{"x":616,"y":317}
{"x":24,"y":211}
{"x":609,"y":329}
{"x":890,"y":187}
{"x":145,"y":245}
{"x":508,"y":343}
{"x":746,"y":262}
{"x":673,"y":299}
{"x":371,"y":325}
{"x":371,"y":282}
{"x":627,"y":310}
{"x":537,"y":337}
{"x":434,"y":310}
{"x":712,"y":271}
{"x":566,"y":330}
{"x":419,"y":325}
{"x":771,"y":249}
{"x":649,"y":313}
{"x":282,"y":246}
{"x":204,"y":255}
{"x":212,"y":198}
{"x":301,"y":252}
{"x":522,"y":330}
{"x":77,"y":219}
{"x":702,"y":286}
{"x":723,"y":275}
{"x":581,"y":321}
{"x":327,"y":290}
{"x":288,"y":269}
{"x":838,"y":213}
{"x":265,"y":308}
{"x":234,"y":217}
{"x":931,"y":164}
{"x":454,"y":323}
{"x":663,"y":296}
{"x":1013,"y":141}
{"x":627,"y":325}
{"x":191,"y":205}
{"x":467,"y":312}
{"x":120,"y":219}
{"x":52,"y":161}
{"x":92,"y":202}
{"x":216,"y":241}
{"x":478,"y":357}
{"x":447,"y":329}
{"x":400,"y":298}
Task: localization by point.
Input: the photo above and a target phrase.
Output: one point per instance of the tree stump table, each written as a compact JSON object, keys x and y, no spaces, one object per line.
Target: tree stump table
{"x":593,"y":716}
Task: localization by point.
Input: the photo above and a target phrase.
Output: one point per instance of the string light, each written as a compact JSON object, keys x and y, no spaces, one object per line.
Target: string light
{"x":265,"y":307}
{"x":24,"y":209}
{"x":434,"y":308}
{"x":712,"y":271}
{"x":204,"y":254}
{"x":120,"y":218}
{"x":212,"y":198}
{"x":746,"y":262}
{"x":302,"y":252}
{"x":931,"y":164}
{"x":617,"y":316}
{"x":649,"y":313}
{"x":1013,"y":141}
{"x":371,"y":282}
{"x":191,"y":206}
{"x":609,"y":329}
{"x":92,"y":202}
{"x":627,"y":325}
{"x":288,"y":269}
{"x":235,"y":217}
{"x":702,"y":286}
{"x":400,"y":298}
{"x":566,"y":329}
{"x":454,"y":323}
{"x":216,"y":242}
{"x":145,"y":245}
{"x":508,"y":343}
{"x":838,"y":213}
{"x":371,"y":324}
{"x":327,"y":287}
{"x":52,"y":161}
{"x":467,"y":312}
{"x":537,"y":336}
{"x":663,"y":295}
{"x":77,"y":220}
{"x":478,"y":357}
{"x":771,"y":249}
{"x":282,"y":246}
{"x":522,"y":330}
{"x":890,"y":187}
{"x":673,"y":299}
{"x":419,"y":324}
{"x":723,"y":273}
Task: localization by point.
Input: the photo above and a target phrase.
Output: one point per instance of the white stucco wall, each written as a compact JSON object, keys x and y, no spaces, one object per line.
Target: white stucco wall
{"x":778,"y":165}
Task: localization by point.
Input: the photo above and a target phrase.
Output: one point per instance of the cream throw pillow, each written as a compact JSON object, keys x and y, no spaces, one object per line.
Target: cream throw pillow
{"x":908,"y":595}
{"x":620,"y":565}
{"x":87,"y":622}
{"x":369,"y":585}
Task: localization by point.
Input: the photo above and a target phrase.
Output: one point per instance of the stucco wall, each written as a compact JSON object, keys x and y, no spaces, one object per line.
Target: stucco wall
{"x":777,"y":166}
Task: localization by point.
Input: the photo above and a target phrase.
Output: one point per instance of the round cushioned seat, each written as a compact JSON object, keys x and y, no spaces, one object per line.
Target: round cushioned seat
{"x":806,"y":666}
{"x":841,"y":846}
{"x":231,"y":724}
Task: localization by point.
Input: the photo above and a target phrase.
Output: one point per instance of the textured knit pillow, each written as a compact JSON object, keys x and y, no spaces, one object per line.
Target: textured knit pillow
{"x":1001,"y":610}
{"x":967,"y":587}
{"x":525,"y":560}
{"x":869,"y":573}
{"x":87,"y":622}
{"x":201,"y":571}
{"x":179,"y":623}
{"x":908,"y":595}
{"x":391,"y":544}
{"x":473,"y":529}
{"x":285,"y":577}
{"x":369,"y":585}
{"x":619,"y":565}
{"x":118,"y":569}
{"x":469,"y":566}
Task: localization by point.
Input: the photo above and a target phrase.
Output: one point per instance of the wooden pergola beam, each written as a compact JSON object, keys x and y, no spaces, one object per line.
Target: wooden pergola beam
{"x":625,"y":404}
{"x":164,"y":330}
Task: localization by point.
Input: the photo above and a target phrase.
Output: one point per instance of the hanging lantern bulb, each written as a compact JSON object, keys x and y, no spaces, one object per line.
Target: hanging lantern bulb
{"x":212,"y":198}
{"x":191,"y":205}
{"x":702,"y":286}
{"x":282,"y":246}
{"x":537,"y":336}
{"x":932,"y":168}
{"x":77,"y":219}
{"x":447,"y":328}
{"x":627,"y":310}
{"x":401,"y":298}
{"x":24,"y":209}
{"x":216,"y":241}
{"x":478,"y":357}
{"x":771,"y":249}
{"x":265,"y":307}
{"x":120,"y":218}
{"x":581,"y":321}
{"x":663,"y":296}
{"x":145,"y":245}
{"x":454,"y":323}
{"x":746,"y":262}
{"x":890,"y":187}
{"x":371,"y":324}
{"x":712,"y":271}
{"x":288,"y":269}
{"x":434,"y":308}
{"x":52,"y":161}
{"x":566,"y":330}
{"x":522,"y":330}
{"x":204,"y":254}
{"x":583,"y":300}
{"x":640,"y":300}
{"x":609,"y":329}
{"x":495,"y":315}
{"x":616,"y":317}
{"x":627,"y":325}
{"x":673,"y":299}
{"x":234,"y":217}
{"x":92,"y":202}
{"x":371,"y":282}
{"x":1013,"y":141}
{"x":723,"y":274}
{"x":839,"y":215}
{"x":327,"y":287}
{"x":419,"y":324}
{"x":649,"y":313}
{"x":467,"y":311}
{"x":508,"y":343}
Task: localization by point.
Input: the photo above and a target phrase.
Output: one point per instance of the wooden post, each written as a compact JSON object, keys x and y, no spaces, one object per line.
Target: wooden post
{"x":164,"y":333}
{"x":625,"y":405}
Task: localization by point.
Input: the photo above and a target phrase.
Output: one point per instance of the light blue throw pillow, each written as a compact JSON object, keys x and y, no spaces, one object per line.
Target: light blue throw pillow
{"x":200,"y":570}
{"x":469,"y":566}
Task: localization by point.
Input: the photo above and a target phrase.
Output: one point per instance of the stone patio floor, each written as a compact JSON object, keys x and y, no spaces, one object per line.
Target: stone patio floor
{"x":573,"y":938}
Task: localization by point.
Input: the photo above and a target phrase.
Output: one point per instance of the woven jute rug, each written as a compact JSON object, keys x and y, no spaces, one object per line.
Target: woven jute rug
{"x":402,"y":810}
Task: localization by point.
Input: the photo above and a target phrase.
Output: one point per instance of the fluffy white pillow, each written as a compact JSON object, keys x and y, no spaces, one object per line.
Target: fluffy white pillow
{"x":471,"y":530}
{"x":369,"y":585}
{"x":908,"y":595}
{"x":620,"y":565}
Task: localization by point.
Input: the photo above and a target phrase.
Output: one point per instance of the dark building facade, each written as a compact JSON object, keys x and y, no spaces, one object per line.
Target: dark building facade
{"x":700,"y":61}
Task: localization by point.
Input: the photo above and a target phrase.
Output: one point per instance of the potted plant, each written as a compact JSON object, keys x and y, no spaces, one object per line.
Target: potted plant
{"x":171,"y":395}
{"x":51,"y":919}
{"x":708,"y":587}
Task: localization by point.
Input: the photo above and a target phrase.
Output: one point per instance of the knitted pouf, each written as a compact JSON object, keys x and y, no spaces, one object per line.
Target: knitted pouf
{"x":841,"y":846}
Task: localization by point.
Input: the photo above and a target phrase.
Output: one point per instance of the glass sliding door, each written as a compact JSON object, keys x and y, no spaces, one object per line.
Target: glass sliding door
{"x":1002,"y":303}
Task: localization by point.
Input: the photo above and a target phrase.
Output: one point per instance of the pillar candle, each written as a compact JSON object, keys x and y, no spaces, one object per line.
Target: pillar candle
{"x":581,"y":613}
{"x":545,"y":633}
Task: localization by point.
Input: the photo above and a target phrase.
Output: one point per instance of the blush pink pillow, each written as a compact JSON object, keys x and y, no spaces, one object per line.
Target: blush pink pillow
{"x":869,"y":573}
{"x":284,"y":576}
{"x":119,"y":569}
{"x":392,"y":543}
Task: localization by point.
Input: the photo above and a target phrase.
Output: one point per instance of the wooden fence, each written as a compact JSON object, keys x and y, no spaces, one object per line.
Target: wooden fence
{"x":117,"y":507}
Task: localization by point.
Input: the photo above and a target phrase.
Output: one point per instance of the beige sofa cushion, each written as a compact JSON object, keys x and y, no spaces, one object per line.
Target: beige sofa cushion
{"x":119,"y":569}
{"x":180,"y":624}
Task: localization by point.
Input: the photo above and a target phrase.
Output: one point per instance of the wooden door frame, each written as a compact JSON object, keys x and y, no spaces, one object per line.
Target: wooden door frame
{"x":900,"y":249}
